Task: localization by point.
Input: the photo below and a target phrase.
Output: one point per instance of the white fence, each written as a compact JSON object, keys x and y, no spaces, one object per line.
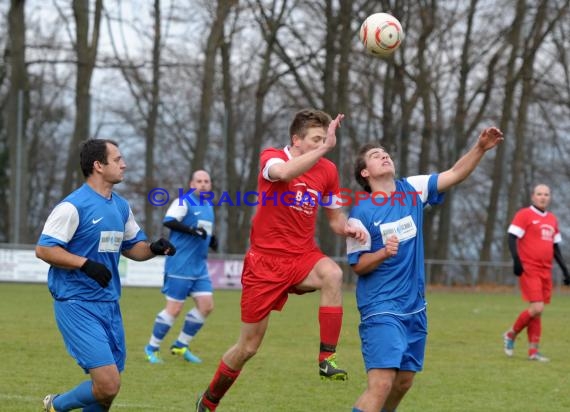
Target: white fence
{"x":18,"y":263}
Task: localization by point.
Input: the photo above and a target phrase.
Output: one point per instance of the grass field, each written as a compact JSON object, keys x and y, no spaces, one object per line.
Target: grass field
{"x":465,"y":369}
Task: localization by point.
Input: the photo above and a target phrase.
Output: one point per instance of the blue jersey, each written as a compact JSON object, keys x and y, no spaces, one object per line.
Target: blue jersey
{"x":192,"y":251}
{"x":397,"y":285}
{"x":90,"y":225}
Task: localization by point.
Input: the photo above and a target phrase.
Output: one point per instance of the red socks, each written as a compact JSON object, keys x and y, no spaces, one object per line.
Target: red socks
{"x":330,"y":322}
{"x":220,"y":384}
{"x":521,"y":322}
{"x":534,"y":330}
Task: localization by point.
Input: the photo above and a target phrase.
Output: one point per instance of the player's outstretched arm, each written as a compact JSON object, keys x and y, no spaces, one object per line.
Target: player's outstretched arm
{"x":298,"y":165}
{"x":488,"y":139}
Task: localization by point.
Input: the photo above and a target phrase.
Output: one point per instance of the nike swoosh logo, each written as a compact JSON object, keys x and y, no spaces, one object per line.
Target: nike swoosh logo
{"x":197,"y":213}
{"x":95,"y":221}
{"x":377,"y":223}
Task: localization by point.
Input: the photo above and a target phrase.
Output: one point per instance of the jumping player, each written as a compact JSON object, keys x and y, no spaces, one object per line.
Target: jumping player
{"x":390,"y":290}
{"x":283,"y":256}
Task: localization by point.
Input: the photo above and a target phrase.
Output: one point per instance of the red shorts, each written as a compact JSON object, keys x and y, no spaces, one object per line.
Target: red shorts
{"x":268,"y":279}
{"x":536,"y":286}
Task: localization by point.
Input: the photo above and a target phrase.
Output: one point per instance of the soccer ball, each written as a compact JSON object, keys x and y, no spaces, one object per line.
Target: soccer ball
{"x":381,"y":34}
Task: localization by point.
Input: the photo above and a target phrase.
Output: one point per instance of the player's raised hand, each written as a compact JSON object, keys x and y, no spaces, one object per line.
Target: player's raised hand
{"x":330,"y":140}
{"x":392,"y":244}
{"x":490,"y":137}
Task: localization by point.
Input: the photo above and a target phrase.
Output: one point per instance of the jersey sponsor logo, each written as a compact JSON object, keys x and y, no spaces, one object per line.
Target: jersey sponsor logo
{"x":110,"y":241}
{"x":95,"y":221}
{"x":404,"y":229}
{"x":547,"y":233}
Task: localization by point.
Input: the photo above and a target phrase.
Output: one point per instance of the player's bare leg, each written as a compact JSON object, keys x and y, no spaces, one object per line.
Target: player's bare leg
{"x":400,"y":386}
{"x":380,"y":383}
{"x":106,"y":384}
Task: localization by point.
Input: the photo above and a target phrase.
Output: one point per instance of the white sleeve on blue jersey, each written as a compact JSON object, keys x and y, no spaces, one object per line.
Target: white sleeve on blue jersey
{"x":131,"y":227}
{"x":62,"y":222}
{"x":268,"y":164}
{"x":420,"y":183}
{"x":176,"y":210}
{"x":353,"y":245}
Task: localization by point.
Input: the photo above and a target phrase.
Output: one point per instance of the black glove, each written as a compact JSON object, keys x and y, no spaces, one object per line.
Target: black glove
{"x":566,"y":278}
{"x":198,"y":231}
{"x":214,"y":243}
{"x":98,"y":272}
{"x":162,"y":247}
{"x":517,"y":268}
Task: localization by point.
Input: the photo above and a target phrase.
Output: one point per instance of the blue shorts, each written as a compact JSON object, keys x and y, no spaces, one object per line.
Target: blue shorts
{"x":179,"y":288}
{"x":394,"y":342}
{"x":93,"y":332}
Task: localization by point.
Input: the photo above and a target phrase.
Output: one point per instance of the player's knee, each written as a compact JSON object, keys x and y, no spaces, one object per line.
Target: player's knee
{"x":403,"y":385}
{"x":536,"y":309}
{"x":106,"y":390}
{"x":175,"y":311}
{"x":249,"y":351}
{"x":335,"y":275}
{"x":207,"y":310}
{"x":381,"y":388}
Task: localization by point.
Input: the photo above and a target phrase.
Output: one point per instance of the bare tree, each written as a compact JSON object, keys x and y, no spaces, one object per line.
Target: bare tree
{"x":86,"y":50}
{"x":513,"y":41}
{"x":16,"y":124}
{"x":213,"y":43}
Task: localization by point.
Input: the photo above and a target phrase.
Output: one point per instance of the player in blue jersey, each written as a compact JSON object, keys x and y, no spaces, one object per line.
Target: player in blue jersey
{"x":82,"y":240}
{"x":390,"y":290}
{"x":190,"y":220}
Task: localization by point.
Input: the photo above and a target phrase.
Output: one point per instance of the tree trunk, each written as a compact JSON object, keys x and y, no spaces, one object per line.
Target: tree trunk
{"x":527,"y":73}
{"x":16,"y":125}
{"x":506,"y":116}
{"x":86,"y":56}
{"x":209,"y":70}
{"x":150,"y":132}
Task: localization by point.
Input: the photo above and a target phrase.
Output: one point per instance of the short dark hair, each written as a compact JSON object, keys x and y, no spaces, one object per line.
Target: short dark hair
{"x":307,"y":118}
{"x":93,"y":150}
{"x":360,"y":164}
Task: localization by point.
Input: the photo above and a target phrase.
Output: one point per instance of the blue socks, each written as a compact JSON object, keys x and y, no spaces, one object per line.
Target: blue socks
{"x":79,"y":397}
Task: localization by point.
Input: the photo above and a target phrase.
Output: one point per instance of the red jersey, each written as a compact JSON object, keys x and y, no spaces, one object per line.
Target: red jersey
{"x":286,"y":216}
{"x":537,"y":233}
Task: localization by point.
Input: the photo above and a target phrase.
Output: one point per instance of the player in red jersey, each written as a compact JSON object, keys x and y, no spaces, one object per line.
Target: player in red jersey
{"x":283,"y":257}
{"x":533,"y":242}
